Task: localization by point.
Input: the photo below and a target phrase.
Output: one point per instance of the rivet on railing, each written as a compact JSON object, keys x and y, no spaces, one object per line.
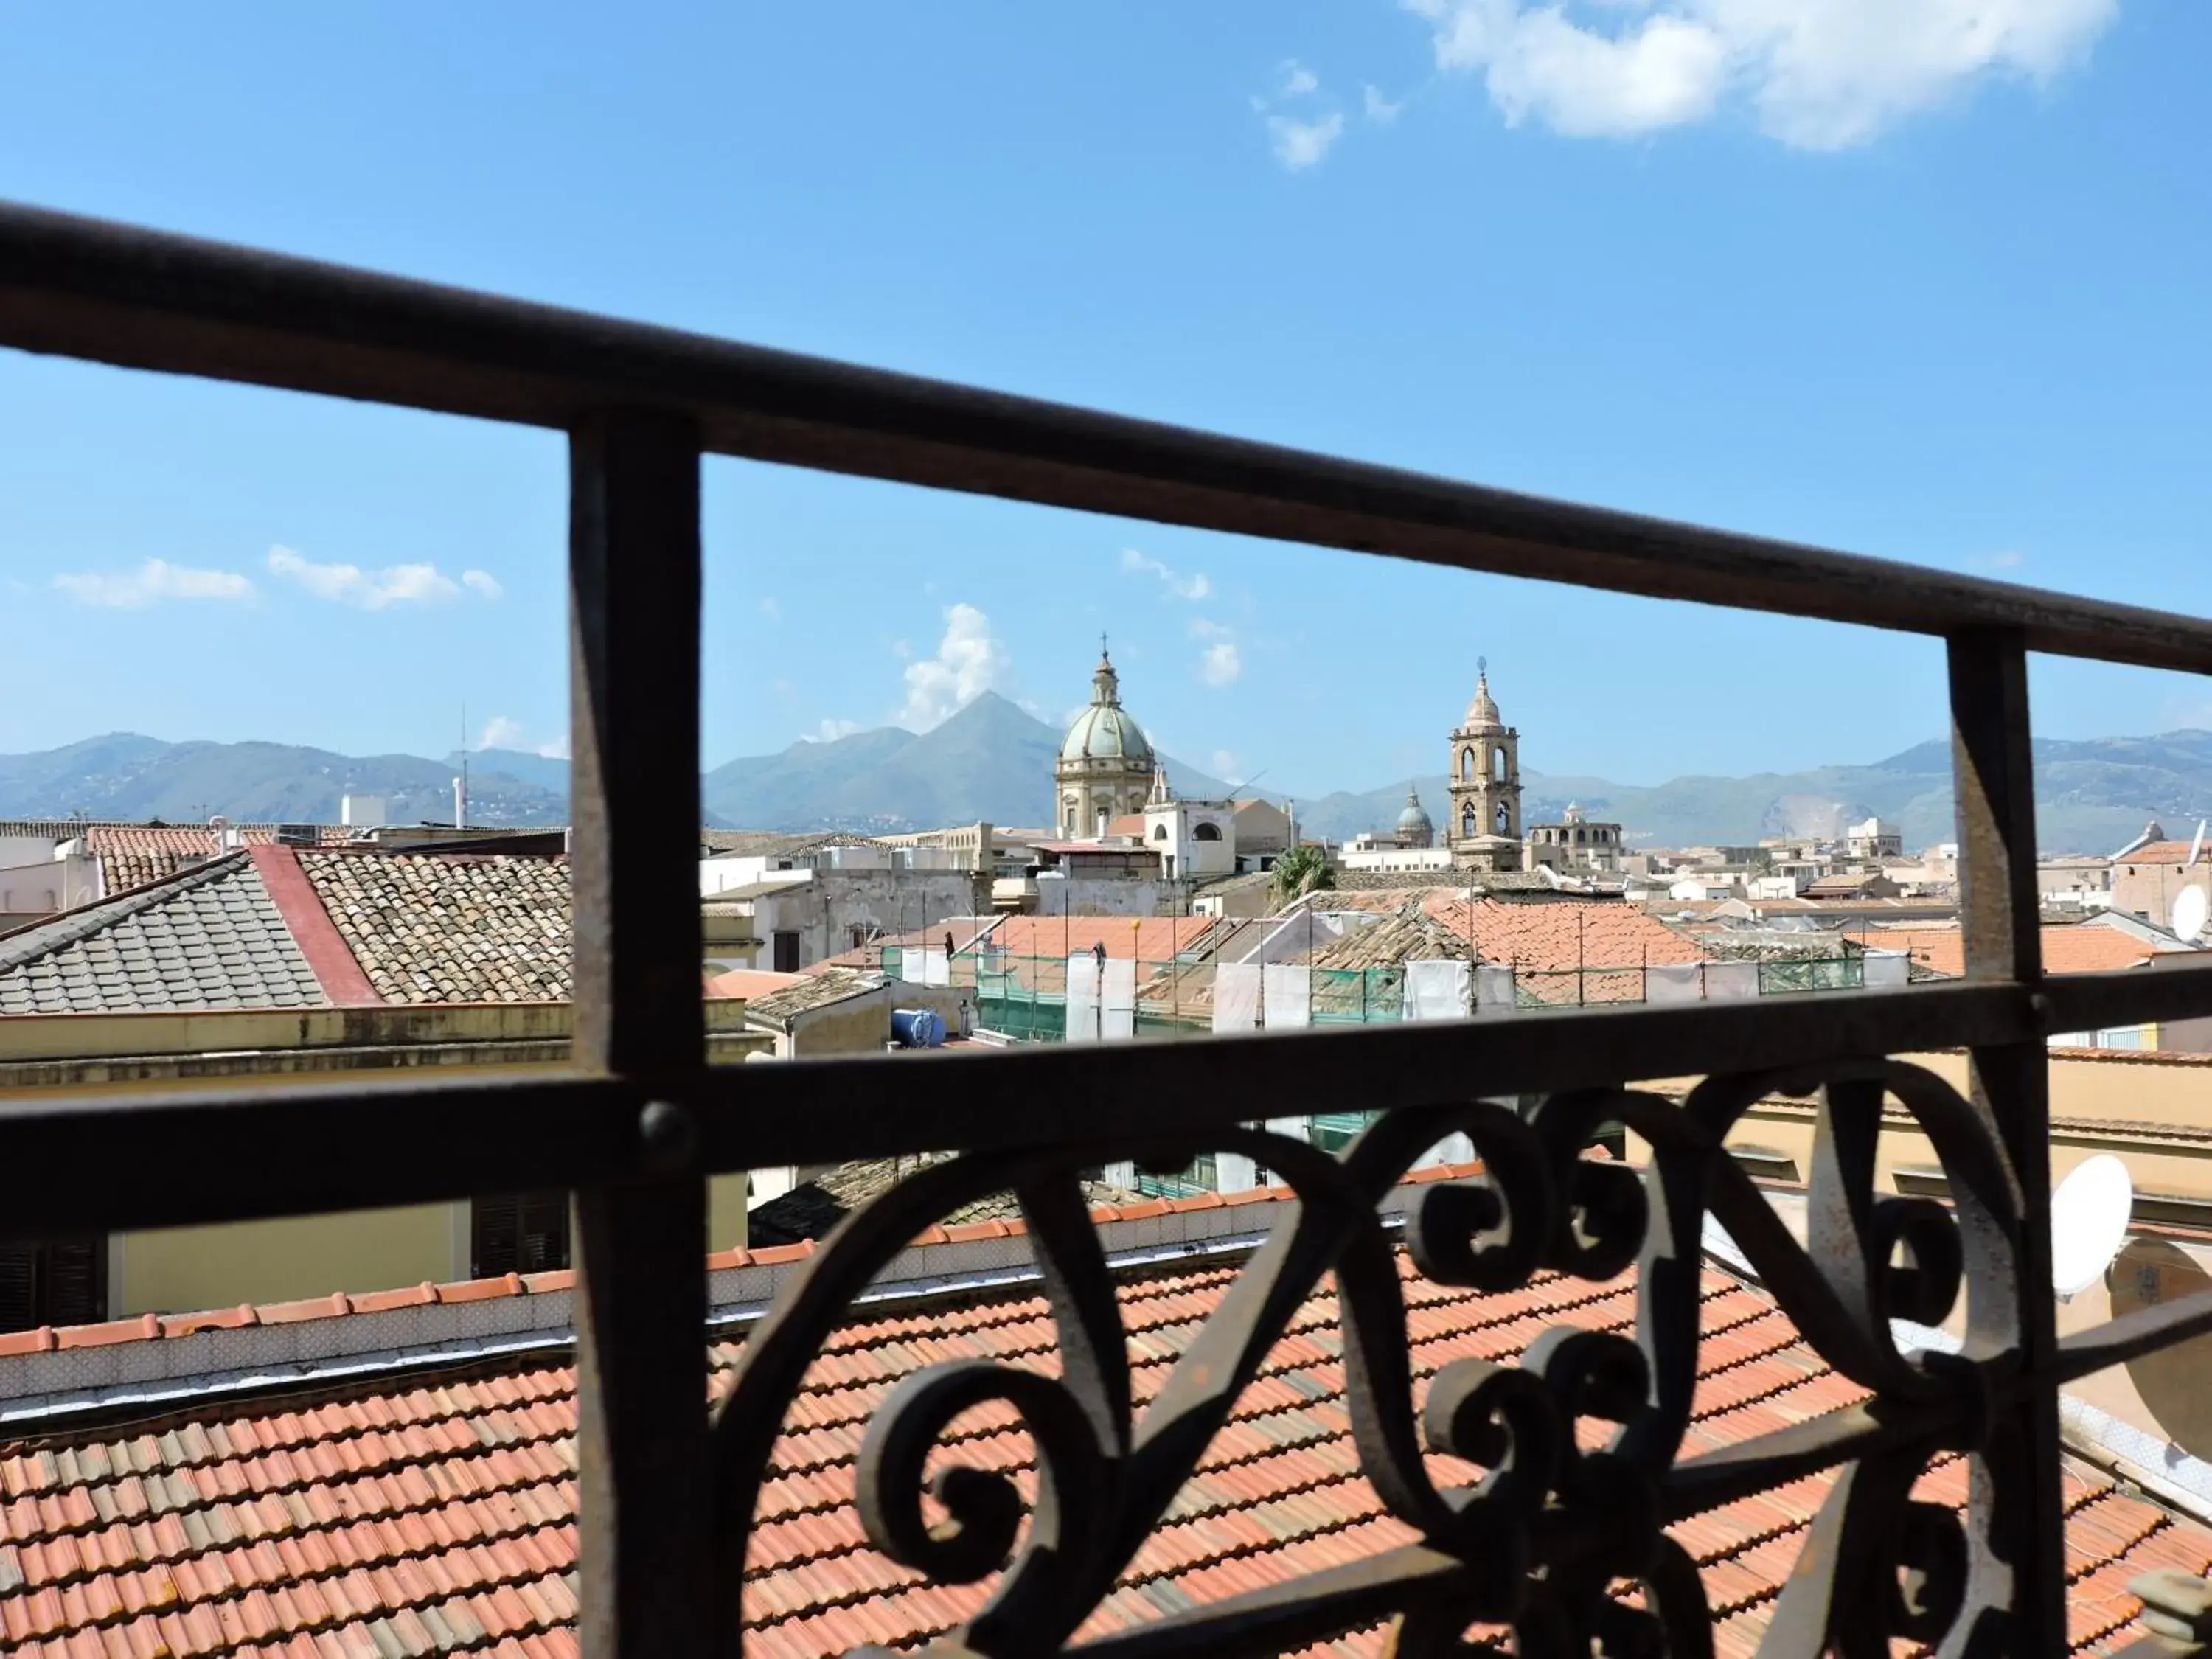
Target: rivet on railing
{"x":668,"y":1138}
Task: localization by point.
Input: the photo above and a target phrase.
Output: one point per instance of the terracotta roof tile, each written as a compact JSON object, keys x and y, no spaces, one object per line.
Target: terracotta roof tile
{"x":440,"y":1514}
{"x":2070,"y":948}
{"x":458,"y":928}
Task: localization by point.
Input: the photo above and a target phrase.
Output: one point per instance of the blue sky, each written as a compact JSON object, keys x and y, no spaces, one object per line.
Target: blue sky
{"x":1922,"y":278}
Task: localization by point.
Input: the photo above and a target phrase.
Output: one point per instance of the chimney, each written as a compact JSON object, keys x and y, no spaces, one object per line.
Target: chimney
{"x":461,"y":803}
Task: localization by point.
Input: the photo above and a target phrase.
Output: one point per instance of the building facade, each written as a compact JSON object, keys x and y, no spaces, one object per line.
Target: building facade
{"x":1485,"y":823}
{"x":1575,"y":844}
{"x":1105,"y":765}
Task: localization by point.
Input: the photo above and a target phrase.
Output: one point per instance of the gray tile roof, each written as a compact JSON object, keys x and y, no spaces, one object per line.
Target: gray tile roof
{"x":209,"y":937}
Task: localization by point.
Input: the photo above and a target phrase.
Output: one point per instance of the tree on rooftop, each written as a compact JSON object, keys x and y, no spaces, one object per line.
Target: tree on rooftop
{"x":1301,"y":870}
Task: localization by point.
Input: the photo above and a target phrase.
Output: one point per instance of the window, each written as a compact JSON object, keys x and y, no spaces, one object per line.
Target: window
{"x":1498,"y":765}
{"x":1160,"y":833}
{"x":517,"y":1233}
{"x":53,"y":1281}
{"x":1467,"y":820}
{"x":1504,"y":820}
{"x":1207,"y":832}
{"x":1466,"y":764}
{"x":787,"y":953}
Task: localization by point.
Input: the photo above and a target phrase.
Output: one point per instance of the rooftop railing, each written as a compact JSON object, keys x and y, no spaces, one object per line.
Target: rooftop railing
{"x":667,"y":1497}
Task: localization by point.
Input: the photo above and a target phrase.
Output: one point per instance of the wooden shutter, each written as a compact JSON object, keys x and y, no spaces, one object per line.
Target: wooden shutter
{"x":517,"y":1233}
{"x":494,"y":1235}
{"x":545,"y":1232}
{"x":19,"y":1287}
{"x":75,"y":1288}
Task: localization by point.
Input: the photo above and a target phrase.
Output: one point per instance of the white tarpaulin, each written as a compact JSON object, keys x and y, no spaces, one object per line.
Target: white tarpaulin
{"x":1236,"y":996}
{"x":1887,"y":968}
{"x":1082,"y":998}
{"x":926,"y":966}
{"x":1726,"y":979}
{"x":1493,"y":989}
{"x":1117,"y":998}
{"x":1286,"y":994}
{"x":1674,"y":981}
{"x":1435,"y":990}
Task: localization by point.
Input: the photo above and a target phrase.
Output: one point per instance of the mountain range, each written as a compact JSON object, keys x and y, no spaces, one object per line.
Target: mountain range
{"x":992,"y":761}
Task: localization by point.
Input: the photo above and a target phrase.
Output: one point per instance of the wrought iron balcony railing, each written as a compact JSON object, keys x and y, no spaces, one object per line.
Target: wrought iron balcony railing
{"x":1545,"y":1538}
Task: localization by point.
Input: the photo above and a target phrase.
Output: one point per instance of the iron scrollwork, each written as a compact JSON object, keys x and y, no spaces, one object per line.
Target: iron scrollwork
{"x":1552,"y":1532}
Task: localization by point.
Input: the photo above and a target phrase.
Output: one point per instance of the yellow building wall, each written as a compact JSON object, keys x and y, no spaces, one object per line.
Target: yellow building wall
{"x":2119,"y":1102}
{"x":185,"y":1269}
{"x":726,"y":1212}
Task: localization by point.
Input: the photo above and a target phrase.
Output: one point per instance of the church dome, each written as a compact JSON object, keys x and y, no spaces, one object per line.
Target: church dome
{"x":1414,"y":821}
{"x":1106,"y":731}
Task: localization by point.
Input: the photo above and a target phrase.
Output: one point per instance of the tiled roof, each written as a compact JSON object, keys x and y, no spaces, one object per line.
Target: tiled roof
{"x":808,"y":991}
{"x":2159,"y":851}
{"x":209,"y":937}
{"x":456,"y":928}
{"x":811,"y":1209}
{"x":758,"y":844}
{"x":2069,"y":948}
{"x":132,"y":854}
{"x":439,"y":1515}
{"x":747,"y":982}
{"x":1542,"y":935}
{"x":1147,"y":939}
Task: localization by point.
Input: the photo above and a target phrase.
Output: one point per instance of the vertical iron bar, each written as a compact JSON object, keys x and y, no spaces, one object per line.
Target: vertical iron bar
{"x":2000,"y":920}
{"x":643,"y":1510}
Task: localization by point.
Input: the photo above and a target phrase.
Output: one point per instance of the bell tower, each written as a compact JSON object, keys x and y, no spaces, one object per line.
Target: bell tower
{"x":1484,"y":829}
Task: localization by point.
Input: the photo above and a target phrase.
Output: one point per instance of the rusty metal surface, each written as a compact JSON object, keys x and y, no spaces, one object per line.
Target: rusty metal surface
{"x":1546,"y":1540}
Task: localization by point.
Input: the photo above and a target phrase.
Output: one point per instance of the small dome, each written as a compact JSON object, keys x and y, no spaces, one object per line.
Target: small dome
{"x":1482,"y":713}
{"x":1413,"y":820}
{"x":1106,"y":731}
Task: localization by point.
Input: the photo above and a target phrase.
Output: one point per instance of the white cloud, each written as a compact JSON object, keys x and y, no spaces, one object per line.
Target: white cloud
{"x":501,"y":733}
{"x":1379,"y":109}
{"x":970,"y":661}
{"x":155,"y":580}
{"x":374,"y":590}
{"x":1301,"y":144}
{"x":828,"y":731}
{"x":1818,"y":74}
{"x":1225,"y":766}
{"x":1220,"y":661}
{"x":1195,"y":586}
{"x":1297,"y":79}
{"x":771,"y":608}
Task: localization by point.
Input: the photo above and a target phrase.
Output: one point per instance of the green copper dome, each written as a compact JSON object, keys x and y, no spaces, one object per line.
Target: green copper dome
{"x":1106,"y":731}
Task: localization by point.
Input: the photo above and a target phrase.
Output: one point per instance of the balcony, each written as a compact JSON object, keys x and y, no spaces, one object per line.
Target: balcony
{"x":1506,"y":1501}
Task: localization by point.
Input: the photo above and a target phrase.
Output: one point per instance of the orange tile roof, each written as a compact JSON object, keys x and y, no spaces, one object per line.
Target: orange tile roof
{"x":132,"y":854}
{"x":1539,"y":933}
{"x":438,"y":1514}
{"x":2069,"y":948}
{"x":2162,"y":852}
{"x":748,"y":983}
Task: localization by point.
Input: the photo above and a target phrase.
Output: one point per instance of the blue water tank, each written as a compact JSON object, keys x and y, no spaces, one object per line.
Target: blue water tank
{"x":918,"y":1028}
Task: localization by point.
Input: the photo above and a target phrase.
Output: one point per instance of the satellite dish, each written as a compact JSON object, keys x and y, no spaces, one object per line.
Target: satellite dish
{"x":2089,"y":1216}
{"x":2191,"y":907}
{"x":2171,"y":1380}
